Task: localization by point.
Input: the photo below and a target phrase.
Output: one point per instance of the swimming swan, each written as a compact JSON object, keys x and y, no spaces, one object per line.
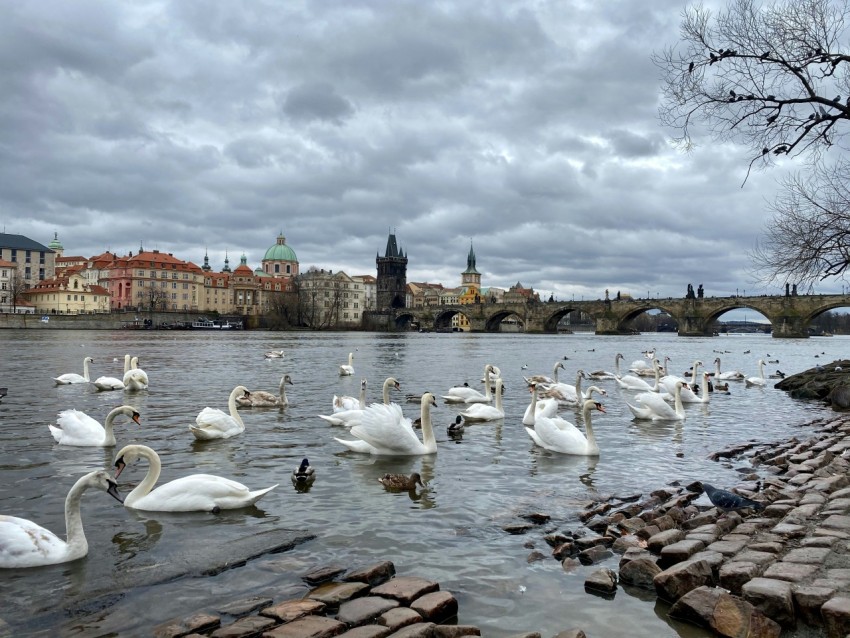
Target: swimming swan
{"x":549,"y":436}
{"x":345,"y":402}
{"x":652,"y":407}
{"x":546,"y":407}
{"x":729,"y":375}
{"x":465,"y":394}
{"x":263,"y":399}
{"x":212,"y":423}
{"x":135,"y":379}
{"x":26,"y":544}
{"x":348,"y":418}
{"x":72,"y":377}
{"x":79,"y":429}
{"x":759,"y":380}
{"x":630,"y":381}
{"x":347,"y":370}
{"x":480,"y":412}
{"x":193,"y":493}
{"x":542,"y":378}
{"x":383,"y":429}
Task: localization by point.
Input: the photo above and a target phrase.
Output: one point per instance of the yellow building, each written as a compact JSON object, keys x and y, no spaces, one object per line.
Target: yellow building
{"x":68,"y":295}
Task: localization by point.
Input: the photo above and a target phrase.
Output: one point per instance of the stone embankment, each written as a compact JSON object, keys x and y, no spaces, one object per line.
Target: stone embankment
{"x":783,"y":568}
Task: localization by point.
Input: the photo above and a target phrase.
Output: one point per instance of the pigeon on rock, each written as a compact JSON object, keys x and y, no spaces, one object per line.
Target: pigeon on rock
{"x":727,"y":501}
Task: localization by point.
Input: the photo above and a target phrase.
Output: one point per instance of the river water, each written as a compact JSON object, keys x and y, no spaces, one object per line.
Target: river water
{"x":450,"y":532}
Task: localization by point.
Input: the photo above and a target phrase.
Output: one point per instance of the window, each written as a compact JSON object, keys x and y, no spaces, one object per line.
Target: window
{"x":174,"y":285}
{"x":141,"y":273}
{"x":28,"y":257}
{"x":277,"y":268}
{"x":288,"y":269}
{"x":41,"y":257}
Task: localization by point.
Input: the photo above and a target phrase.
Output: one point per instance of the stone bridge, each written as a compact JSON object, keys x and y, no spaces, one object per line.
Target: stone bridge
{"x":789,"y":315}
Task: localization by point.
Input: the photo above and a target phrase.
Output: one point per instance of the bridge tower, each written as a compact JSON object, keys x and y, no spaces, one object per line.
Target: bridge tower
{"x":391,"y":282}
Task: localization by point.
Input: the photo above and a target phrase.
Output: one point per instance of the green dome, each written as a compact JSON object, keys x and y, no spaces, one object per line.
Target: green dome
{"x":55,"y":244}
{"x":280,"y":251}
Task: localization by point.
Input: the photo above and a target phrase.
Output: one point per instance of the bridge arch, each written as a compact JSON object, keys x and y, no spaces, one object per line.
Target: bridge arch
{"x":493,"y":322}
{"x":443,"y":320}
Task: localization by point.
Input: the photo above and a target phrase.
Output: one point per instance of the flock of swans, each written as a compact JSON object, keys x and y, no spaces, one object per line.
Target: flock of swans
{"x":379,"y":428}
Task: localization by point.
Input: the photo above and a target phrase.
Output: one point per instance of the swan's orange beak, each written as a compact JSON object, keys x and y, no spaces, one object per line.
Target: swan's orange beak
{"x":136,"y":418}
{"x":600,"y":407}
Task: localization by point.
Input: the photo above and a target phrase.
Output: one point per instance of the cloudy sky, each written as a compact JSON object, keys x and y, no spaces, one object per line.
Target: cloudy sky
{"x":529,"y":128}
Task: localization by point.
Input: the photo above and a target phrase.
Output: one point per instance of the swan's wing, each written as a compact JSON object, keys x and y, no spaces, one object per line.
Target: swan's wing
{"x":24,"y":543}
{"x":108,"y":383}
{"x":357,"y":446}
{"x":554,"y":438}
{"x":197,"y":492}
{"x":343,"y":403}
{"x":79,"y":425}
{"x":385,"y":428}
{"x":346,"y":418}
{"x":537,"y":440}
{"x":464,"y":393}
{"x":213,"y":423}
{"x":654,"y":407}
{"x":70,"y":377}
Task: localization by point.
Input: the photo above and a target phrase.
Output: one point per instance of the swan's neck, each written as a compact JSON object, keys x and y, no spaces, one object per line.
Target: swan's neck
{"x":499,"y":396}
{"x":282,"y":391}
{"x":134,"y":363}
{"x":657,"y":386}
{"x":555,"y":371}
{"x":717,"y":368}
{"x":694,"y":369}
{"x":704,"y":388}
{"x":578,"y":385}
{"x":76,"y":543}
{"x":428,"y":439}
{"x":351,"y":358}
{"x":144,"y":488}
{"x":617,"y":366}
{"x":126,"y":363}
{"x":534,"y":399}
{"x":362,"y":397}
{"x":108,"y":425}
{"x":487,"y":383}
{"x":761,"y":369}
{"x":86,"y":369}
{"x":592,"y":448}
{"x":677,"y":403}
{"x":231,"y":406}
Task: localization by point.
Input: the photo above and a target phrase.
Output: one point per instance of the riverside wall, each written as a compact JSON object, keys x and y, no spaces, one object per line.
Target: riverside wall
{"x":106,"y":321}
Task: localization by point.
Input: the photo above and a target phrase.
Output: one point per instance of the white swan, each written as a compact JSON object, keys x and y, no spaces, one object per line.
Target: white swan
{"x":548,"y":435}
{"x":729,"y":375}
{"x":631,"y":382}
{"x":347,"y":418}
{"x":197,"y":492}
{"x":346,"y":370}
{"x":344,"y":402}
{"x":567,"y":394}
{"x":27,"y":544}
{"x":71,"y":377}
{"x":546,"y":407}
{"x":274,"y":354}
{"x":465,"y":394}
{"x":542,"y":378}
{"x":135,"y":379}
{"x":384,"y":430}
{"x":112,"y":383}
{"x":668,"y":384}
{"x":263,"y":399}
{"x":212,"y":423}
{"x":759,"y":380}
{"x":479,"y":412}
{"x":79,"y":429}
{"x":652,"y":406}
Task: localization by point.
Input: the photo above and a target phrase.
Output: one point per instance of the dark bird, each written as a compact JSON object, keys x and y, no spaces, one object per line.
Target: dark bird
{"x":727,"y":501}
{"x":456,"y":428}
{"x":691,"y":67}
{"x":399,"y":482}
{"x":772,"y":119}
{"x":764,"y":55}
{"x":765,"y":151}
{"x":733,"y":94}
{"x":3,"y":392}
{"x":713,"y":58}
{"x":303,"y":474}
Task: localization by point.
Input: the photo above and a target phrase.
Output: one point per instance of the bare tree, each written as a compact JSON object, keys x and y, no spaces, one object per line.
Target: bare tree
{"x":17,"y":287}
{"x":774,"y":78}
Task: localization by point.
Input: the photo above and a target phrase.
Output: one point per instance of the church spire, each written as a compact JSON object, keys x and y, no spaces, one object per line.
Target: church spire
{"x":206,"y":267}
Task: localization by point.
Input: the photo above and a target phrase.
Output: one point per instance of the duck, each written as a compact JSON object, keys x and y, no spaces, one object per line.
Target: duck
{"x":775,"y":375}
{"x":71,"y":377}
{"x":480,"y":412}
{"x":465,"y":394}
{"x":400,"y":482}
{"x":262,"y":399}
{"x":304,"y":474}
{"x":348,"y":418}
{"x":24,"y":543}
{"x":346,"y":370}
{"x":212,"y":423}
{"x":193,"y":493}
{"x":344,"y":402}
{"x":384,"y":430}
{"x":757,"y":381}
{"x":729,"y":375}
{"x":79,"y":429}
{"x":135,"y":379}
{"x":454,"y":429}
{"x":652,"y":407}
{"x":548,"y":435}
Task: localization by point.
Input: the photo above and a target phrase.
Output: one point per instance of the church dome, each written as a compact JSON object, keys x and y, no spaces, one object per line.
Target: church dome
{"x":280,"y":251}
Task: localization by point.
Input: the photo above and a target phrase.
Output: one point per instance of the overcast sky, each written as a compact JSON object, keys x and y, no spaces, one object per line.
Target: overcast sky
{"x":527,"y":127}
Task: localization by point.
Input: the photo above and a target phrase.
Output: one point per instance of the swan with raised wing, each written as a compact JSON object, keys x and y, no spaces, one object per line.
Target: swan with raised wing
{"x":72,"y":377}
{"x":759,"y":380}
{"x":563,"y":440}
{"x":212,"y":423}
{"x":347,"y":418}
{"x":729,"y":375}
{"x":79,"y":429}
{"x":480,"y":412}
{"x":135,"y":379}
{"x":652,"y":406}
{"x":345,"y":402}
{"x":263,"y":399}
{"x":346,"y":370}
{"x":27,"y":544}
{"x":384,"y":430}
{"x":465,"y":394}
{"x":193,"y":493}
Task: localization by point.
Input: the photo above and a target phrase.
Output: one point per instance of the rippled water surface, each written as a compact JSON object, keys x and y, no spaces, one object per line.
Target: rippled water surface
{"x":450,"y":532}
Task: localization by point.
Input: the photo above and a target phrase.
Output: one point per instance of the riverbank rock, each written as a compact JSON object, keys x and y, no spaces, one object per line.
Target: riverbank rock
{"x":829,"y":382}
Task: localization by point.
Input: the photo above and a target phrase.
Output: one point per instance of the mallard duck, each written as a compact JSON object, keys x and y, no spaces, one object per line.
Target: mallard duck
{"x":304,"y":474}
{"x":401,"y":482}
{"x":456,"y":428}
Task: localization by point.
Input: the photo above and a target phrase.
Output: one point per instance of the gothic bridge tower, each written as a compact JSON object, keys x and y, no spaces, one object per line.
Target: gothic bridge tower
{"x":391,"y":282}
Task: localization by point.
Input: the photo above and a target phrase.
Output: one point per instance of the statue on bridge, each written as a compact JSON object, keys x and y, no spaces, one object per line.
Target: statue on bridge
{"x":690,"y":293}
{"x":700,"y":291}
